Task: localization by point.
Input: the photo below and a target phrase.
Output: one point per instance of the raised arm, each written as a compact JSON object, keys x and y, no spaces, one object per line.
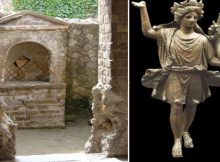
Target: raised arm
{"x":146,"y":27}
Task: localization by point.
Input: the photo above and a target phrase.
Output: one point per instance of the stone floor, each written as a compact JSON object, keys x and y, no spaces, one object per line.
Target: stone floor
{"x":53,"y":141}
{"x":74,"y":157}
{"x":57,"y":145}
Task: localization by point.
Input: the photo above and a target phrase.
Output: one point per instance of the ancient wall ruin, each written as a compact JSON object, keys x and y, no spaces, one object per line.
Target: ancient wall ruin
{"x":43,"y":52}
{"x":110,"y":106}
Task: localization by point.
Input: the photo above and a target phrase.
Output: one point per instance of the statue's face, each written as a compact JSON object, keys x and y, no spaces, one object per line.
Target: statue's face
{"x":189,"y":20}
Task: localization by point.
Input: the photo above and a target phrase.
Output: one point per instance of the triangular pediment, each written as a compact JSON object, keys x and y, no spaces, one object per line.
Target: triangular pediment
{"x":30,"y":18}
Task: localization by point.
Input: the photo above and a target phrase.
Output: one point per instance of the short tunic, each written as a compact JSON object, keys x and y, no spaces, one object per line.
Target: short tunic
{"x":183,"y":77}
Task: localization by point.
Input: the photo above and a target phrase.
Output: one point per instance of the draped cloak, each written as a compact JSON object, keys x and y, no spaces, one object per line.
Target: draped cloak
{"x":184,"y":77}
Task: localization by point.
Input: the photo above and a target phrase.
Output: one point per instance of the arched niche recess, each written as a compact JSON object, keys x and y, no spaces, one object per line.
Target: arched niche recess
{"x":27,"y":61}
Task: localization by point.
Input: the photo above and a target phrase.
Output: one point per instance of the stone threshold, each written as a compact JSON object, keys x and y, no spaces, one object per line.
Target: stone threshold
{"x":73,"y":157}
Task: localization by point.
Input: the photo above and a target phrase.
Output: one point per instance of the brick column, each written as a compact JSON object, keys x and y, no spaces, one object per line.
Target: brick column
{"x":109,"y":125}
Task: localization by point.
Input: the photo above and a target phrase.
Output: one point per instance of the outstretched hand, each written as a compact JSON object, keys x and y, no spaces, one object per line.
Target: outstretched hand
{"x":139,"y":4}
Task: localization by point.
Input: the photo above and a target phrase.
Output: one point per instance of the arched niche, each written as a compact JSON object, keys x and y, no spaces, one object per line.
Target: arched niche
{"x":27,"y":61}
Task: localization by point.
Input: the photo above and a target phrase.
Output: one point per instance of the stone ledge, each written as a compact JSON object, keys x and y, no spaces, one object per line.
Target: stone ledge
{"x":74,"y":157}
{"x":30,"y":85}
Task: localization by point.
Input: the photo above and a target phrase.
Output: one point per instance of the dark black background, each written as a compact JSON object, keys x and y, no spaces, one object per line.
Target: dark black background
{"x":149,"y":118}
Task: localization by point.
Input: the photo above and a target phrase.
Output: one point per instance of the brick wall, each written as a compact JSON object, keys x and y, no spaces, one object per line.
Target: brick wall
{"x":119,"y":53}
{"x":105,"y":38}
{"x":34,"y":104}
{"x":113,"y":40}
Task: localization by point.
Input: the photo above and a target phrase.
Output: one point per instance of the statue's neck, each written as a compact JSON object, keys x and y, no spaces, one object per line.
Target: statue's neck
{"x":186,"y":31}
{"x":187,"y":34}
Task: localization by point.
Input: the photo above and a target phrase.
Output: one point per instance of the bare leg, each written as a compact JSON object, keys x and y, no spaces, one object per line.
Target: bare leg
{"x":176,"y":126}
{"x":188,"y":117}
{"x":176,"y":116}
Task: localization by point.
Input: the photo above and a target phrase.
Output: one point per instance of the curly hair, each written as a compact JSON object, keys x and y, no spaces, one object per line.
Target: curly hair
{"x":182,"y":8}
